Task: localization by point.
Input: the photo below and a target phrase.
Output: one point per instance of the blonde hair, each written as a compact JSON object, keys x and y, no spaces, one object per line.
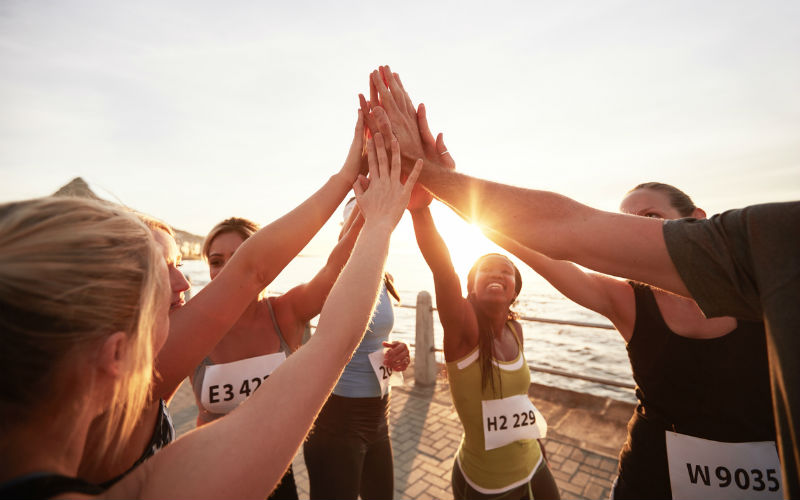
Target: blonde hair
{"x":241,"y":226}
{"x":73,"y":272}
{"x":155,"y":224}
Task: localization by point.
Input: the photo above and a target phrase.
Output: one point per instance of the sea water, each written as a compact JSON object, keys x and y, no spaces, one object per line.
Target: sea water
{"x":579,"y":350}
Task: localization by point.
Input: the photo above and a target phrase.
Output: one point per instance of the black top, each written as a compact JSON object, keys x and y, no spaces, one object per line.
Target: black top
{"x":41,"y":486}
{"x":746,"y":263}
{"x":714,"y":389}
{"x":163,"y":434}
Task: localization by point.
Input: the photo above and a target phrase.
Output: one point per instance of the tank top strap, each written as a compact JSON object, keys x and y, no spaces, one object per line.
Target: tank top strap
{"x":512,"y":325}
{"x":648,"y":314}
{"x":284,"y":345}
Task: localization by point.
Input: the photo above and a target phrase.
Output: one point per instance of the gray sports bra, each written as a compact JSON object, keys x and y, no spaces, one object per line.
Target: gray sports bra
{"x":199,"y":373}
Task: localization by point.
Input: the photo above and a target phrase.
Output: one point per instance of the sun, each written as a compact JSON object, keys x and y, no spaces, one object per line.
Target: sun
{"x":465,"y":241}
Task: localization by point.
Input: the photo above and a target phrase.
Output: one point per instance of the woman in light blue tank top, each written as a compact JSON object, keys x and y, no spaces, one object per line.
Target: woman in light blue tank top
{"x":348,"y":452}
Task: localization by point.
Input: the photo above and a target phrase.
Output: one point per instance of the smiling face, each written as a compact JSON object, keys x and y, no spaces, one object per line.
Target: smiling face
{"x":220,"y":251}
{"x":172,"y":257}
{"x":494,"y":280}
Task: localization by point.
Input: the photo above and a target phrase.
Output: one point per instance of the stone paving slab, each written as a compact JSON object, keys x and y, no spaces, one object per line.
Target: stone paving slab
{"x":425,"y":434}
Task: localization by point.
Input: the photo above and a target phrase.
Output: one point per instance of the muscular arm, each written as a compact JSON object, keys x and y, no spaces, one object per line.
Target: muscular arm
{"x":603,"y":294}
{"x":449,"y":301}
{"x":197,"y":327}
{"x":305,"y":301}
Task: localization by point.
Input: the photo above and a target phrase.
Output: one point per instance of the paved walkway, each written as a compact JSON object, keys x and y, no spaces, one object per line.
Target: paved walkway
{"x":425,"y":435}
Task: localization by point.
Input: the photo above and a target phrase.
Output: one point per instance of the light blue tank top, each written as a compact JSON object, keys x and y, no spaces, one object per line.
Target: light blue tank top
{"x":358,"y":379}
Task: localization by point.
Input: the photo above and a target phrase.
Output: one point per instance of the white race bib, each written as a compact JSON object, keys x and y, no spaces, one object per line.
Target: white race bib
{"x":385,"y":375}
{"x":511,"y":419}
{"x":701,"y":468}
{"x":226,"y":385}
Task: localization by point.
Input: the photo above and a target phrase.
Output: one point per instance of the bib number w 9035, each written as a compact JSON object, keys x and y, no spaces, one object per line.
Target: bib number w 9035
{"x":511,"y":419}
{"x":701,"y":468}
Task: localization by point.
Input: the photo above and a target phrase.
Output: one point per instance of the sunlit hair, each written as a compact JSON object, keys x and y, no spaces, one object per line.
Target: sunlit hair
{"x":678,"y":200}
{"x":72,"y":272}
{"x":243,"y":227}
{"x":485,"y":332}
{"x":156,"y":224}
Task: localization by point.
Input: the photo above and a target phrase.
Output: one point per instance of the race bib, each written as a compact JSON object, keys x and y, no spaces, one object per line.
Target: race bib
{"x":511,"y":419}
{"x":701,"y":468}
{"x":226,"y":385}
{"x":386,"y":376}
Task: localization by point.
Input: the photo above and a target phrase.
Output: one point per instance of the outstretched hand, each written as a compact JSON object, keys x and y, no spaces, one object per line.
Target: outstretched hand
{"x":385,"y":198}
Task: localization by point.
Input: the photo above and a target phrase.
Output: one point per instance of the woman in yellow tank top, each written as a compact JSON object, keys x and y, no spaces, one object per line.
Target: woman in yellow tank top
{"x":499,"y":455}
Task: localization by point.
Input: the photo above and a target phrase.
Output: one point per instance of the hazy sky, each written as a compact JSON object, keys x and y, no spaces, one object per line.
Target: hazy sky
{"x":201,"y":110}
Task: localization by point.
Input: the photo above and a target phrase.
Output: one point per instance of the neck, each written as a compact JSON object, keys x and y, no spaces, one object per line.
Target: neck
{"x":52,"y":442}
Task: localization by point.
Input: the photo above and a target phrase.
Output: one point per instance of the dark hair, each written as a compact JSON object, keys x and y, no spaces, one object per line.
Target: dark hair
{"x":485,"y":330}
{"x":679,"y":200}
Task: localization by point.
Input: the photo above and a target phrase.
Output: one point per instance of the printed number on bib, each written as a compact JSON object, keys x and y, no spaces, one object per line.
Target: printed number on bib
{"x":385,"y":375}
{"x":511,"y":419}
{"x":701,"y":468}
{"x":226,"y":385}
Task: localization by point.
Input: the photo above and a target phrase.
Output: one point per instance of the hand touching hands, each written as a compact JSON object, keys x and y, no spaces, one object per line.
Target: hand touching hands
{"x":385,"y":198}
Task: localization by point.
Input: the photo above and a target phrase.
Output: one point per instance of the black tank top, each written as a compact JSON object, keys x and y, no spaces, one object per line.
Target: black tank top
{"x":40,"y":486}
{"x":714,"y":389}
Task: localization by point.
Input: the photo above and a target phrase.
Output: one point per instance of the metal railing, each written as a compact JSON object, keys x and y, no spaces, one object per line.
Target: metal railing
{"x":425,"y":365}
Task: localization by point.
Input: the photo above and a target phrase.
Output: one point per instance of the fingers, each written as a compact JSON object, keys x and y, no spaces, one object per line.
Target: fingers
{"x":383,"y":123}
{"x":373,"y":94}
{"x":386,"y":99}
{"x":412,"y":177}
{"x":396,"y":91}
{"x":372,"y":159}
{"x":444,"y":154}
{"x":409,"y":104}
{"x":395,"y":171}
{"x":369,"y":120}
{"x":383,"y":161}
{"x":424,"y":128}
{"x":358,"y":189}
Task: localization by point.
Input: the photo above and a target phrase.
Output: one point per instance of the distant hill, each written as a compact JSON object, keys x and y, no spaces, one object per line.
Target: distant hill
{"x":189,"y":244}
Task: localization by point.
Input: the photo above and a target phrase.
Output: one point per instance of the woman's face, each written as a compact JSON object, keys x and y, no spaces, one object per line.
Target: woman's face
{"x":649,"y":203}
{"x":221,"y":250}
{"x":495,"y":280}
{"x":164,"y":307}
{"x":177,"y":281}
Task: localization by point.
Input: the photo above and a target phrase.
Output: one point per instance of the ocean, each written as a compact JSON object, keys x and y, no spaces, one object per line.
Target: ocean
{"x":578,"y":350}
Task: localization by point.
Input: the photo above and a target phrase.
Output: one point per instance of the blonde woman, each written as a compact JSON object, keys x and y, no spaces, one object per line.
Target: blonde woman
{"x":85,"y":300}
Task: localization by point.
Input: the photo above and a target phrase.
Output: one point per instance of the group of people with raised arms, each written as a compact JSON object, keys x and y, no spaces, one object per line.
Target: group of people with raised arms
{"x":97,"y":336}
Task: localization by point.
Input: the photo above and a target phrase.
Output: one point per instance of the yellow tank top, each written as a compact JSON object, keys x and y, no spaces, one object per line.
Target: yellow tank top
{"x":506,"y":467}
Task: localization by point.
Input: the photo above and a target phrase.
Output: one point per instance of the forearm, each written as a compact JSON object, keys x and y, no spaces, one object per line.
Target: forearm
{"x":561,"y":228}
{"x":430,"y":243}
{"x":198,"y":326}
{"x":285,"y":237}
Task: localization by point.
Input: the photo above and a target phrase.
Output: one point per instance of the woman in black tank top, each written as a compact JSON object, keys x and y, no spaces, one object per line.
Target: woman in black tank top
{"x":696,"y":377}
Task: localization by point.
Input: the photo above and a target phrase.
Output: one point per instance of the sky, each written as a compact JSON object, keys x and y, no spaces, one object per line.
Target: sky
{"x":198,"y":111}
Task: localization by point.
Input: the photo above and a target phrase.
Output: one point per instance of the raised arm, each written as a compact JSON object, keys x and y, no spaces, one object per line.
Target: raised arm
{"x":602,"y":294}
{"x":449,"y":299}
{"x":303,"y":302}
{"x":197,"y":327}
{"x":557,"y":226}
{"x":244,"y":454}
